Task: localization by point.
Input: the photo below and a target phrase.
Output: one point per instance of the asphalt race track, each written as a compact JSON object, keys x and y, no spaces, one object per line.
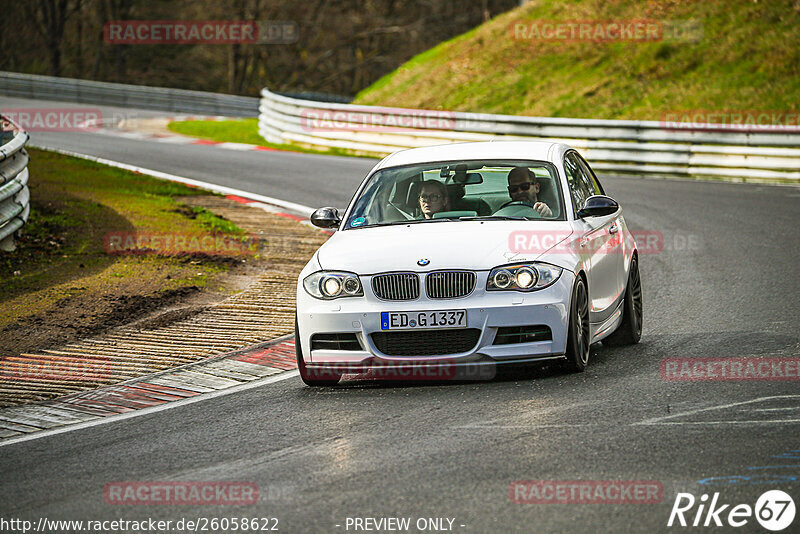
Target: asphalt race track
{"x":723,"y":283}
{"x":288,"y":176}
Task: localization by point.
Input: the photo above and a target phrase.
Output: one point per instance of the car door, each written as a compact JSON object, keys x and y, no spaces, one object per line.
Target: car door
{"x":617,"y":229}
{"x":599,"y":241}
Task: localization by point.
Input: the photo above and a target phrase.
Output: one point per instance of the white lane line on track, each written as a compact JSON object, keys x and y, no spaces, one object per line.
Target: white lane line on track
{"x":291,"y":206}
{"x":752,"y":422}
{"x":145,"y":411}
{"x":489,"y":425}
{"x":663,"y":420}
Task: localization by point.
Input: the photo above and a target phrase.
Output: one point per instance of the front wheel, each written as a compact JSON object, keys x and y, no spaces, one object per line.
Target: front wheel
{"x":629,"y":331}
{"x":578,"y":331}
{"x":312,"y":377}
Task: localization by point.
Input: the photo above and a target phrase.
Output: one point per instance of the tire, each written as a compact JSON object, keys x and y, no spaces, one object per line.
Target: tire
{"x":629,"y":331}
{"x":578,"y":331}
{"x":312,"y":378}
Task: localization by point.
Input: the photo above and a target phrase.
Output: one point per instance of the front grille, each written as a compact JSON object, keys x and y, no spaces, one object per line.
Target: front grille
{"x":449,"y":284}
{"x":507,"y":335}
{"x":426,"y":342}
{"x":343,"y":341}
{"x":396,"y":286}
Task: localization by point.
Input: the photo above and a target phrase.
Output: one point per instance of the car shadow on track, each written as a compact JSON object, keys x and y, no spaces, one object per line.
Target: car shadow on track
{"x":498,"y":374}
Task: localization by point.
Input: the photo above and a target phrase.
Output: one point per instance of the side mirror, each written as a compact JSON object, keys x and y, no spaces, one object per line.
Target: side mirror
{"x":326,"y":218}
{"x":598,"y":206}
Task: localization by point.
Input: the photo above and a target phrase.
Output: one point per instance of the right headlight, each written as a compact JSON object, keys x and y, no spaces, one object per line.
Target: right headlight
{"x":328,"y":285}
{"x":523,"y":277}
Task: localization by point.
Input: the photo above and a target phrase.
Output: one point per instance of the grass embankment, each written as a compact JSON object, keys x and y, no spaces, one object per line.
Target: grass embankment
{"x":241,"y":131}
{"x":747,"y":58}
{"x":61,"y":276}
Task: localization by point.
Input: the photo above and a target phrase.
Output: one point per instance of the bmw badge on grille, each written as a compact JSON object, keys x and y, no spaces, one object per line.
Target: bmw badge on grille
{"x":423,"y":262}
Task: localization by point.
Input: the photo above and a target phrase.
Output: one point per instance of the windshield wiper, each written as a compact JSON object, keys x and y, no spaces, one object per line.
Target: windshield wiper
{"x":395,"y":223}
{"x":443,"y":219}
{"x":495,"y":217}
{"x":414,"y":221}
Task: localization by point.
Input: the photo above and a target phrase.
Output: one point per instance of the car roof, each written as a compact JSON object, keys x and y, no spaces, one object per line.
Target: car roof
{"x":513,"y":150}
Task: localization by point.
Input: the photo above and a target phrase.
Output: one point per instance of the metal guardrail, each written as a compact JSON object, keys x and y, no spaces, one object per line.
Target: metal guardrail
{"x":124,"y":95}
{"x":317,"y":96}
{"x":14,"y":194}
{"x":649,"y":148}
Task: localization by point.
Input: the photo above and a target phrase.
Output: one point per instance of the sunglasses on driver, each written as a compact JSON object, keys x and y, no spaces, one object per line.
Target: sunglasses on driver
{"x":524,"y":186}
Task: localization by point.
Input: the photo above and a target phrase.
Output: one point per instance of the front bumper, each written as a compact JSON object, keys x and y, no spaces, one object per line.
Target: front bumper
{"x":486,"y":311}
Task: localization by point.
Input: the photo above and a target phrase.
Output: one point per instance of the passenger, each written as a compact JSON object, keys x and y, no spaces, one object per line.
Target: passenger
{"x":433,"y":198}
{"x":523,"y":187}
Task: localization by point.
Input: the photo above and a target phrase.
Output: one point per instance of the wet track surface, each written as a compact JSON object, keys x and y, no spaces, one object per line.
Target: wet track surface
{"x":724,"y":284}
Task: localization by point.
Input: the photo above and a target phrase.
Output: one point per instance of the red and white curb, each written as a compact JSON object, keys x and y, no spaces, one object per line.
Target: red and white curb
{"x":282,"y":208}
{"x":226,"y":373}
{"x":274,"y":205}
{"x":184,"y":140}
{"x":116,"y":127}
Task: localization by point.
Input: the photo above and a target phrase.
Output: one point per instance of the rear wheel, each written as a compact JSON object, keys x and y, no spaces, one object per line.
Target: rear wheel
{"x":629,"y":330}
{"x":578,"y":331}
{"x":312,"y":377}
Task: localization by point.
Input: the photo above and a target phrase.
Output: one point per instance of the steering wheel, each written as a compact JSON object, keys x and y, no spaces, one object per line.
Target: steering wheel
{"x":518,"y":203}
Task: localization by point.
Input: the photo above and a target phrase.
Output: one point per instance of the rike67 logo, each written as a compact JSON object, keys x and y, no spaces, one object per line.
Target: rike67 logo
{"x":774,"y":510}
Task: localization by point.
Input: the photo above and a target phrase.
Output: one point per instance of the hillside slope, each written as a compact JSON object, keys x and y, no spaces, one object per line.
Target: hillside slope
{"x":746,"y":58}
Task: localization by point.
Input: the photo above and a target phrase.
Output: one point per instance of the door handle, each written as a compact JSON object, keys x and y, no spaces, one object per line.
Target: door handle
{"x":613,"y":229}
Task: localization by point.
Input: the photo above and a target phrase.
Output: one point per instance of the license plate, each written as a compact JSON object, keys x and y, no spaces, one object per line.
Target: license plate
{"x":423,"y":320}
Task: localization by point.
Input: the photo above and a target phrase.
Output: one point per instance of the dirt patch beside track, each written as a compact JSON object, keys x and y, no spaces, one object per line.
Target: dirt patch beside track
{"x":100,"y":329}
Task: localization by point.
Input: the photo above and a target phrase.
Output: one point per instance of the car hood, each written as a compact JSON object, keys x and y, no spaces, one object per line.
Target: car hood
{"x":474,"y":245}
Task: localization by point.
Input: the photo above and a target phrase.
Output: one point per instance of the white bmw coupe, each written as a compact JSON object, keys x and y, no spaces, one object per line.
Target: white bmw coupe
{"x":468,"y":255}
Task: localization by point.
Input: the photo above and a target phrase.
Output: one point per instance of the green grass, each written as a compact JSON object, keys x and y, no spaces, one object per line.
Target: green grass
{"x":231,"y":131}
{"x":215,"y":223}
{"x":74,"y":204}
{"x":746,"y":59}
{"x":242,"y":131}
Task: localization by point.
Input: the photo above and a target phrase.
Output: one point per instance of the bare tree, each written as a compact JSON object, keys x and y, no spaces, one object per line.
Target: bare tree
{"x":343,"y":45}
{"x":241,"y":56}
{"x":50,"y":18}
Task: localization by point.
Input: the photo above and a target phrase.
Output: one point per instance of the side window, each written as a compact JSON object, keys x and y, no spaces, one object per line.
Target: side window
{"x":589,"y":174}
{"x":579,"y":189}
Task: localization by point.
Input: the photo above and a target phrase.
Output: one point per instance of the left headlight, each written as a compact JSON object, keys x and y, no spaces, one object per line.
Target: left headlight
{"x":328,"y":285}
{"x":523,"y":277}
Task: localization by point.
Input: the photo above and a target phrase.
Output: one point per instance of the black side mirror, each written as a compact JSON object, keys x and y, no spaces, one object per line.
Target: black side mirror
{"x":326,"y":218}
{"x":598,"y":206}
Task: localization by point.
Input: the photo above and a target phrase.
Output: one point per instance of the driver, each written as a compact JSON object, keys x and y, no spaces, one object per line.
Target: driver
{"x":523,"y":187}
{"x":433,"y":198}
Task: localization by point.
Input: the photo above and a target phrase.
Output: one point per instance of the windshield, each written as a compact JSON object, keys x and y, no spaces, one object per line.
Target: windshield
{"x":457,"y":191}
